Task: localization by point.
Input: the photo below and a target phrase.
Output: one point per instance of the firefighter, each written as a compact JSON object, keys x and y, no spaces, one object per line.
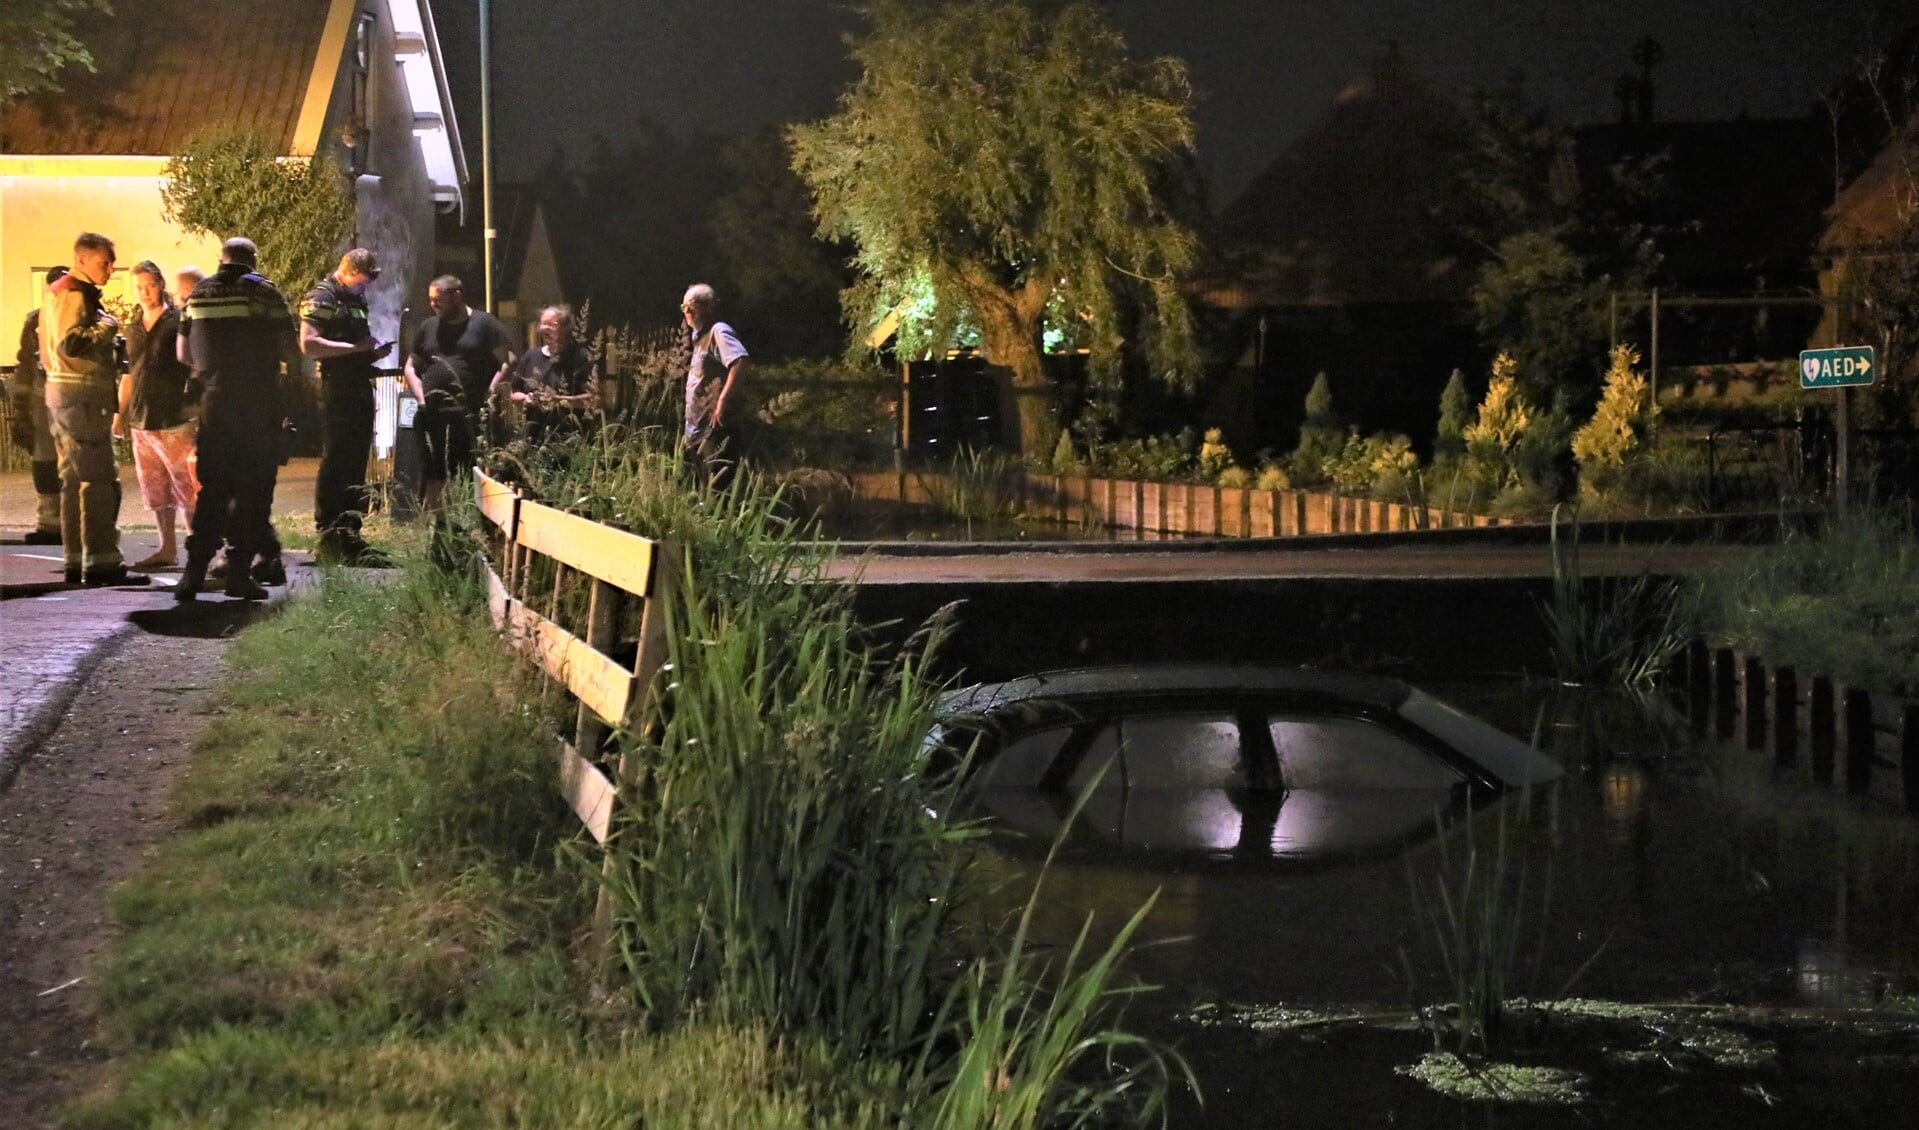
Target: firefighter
{"x":79,"y":354}
{"x":333,"y":328}
{"x":32,"y":433}
{"x":235,"y":332}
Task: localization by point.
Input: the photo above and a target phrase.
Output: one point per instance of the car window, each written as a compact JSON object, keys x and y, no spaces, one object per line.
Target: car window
{"x":1021,"y":762}
{"x":1100,"y":762}
{"x":1182,"y":751}
{"x":1352,"y":753}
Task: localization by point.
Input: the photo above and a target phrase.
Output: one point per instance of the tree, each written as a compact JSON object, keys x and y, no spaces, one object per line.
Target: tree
{"x":39,"y":37}
{"x":1550,"y":252}
{"x":228,"y":184}
{"x":1455,"y":415}
{"x":785,"y":279}
{"x":998,"y":167}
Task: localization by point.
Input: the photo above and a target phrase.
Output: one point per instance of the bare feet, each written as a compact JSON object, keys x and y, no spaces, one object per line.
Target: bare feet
{"x":158,"y":561}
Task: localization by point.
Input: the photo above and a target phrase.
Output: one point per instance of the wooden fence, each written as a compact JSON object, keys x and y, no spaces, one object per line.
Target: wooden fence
{"x":1865,"y":743}
{"x":1193,"y":509}
{"x":531,"y":543}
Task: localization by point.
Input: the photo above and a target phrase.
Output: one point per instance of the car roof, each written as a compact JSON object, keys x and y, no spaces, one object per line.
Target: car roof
{"x":1162,"y":680}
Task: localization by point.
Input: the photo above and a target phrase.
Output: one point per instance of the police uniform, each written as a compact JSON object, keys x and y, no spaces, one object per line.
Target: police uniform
{"x":238,"y":332}
{"x":79,"y":358}
{"x":346,"y":399}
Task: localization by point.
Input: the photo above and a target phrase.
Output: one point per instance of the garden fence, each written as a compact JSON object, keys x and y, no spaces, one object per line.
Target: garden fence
{"x":606,"y":653}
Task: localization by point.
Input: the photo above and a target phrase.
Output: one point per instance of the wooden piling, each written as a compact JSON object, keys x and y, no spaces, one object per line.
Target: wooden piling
{"x":1725,"y":703}
{"x":1820,"y":726}
{"x":1785,"y":717}
{"x":1860,"y":740}
{"x":1753,"y":701}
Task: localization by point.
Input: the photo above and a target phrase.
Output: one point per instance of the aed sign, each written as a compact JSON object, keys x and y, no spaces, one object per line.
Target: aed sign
{"x":1836,"y":368}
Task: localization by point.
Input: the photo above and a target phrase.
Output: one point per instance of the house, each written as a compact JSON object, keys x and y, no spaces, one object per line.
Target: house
{"x":362,"y":79}
{"x":526,"y":277}
{"x":1337,"y":258}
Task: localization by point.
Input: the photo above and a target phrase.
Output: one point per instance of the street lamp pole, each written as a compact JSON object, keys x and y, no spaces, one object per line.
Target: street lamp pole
{"x":486,"y":146}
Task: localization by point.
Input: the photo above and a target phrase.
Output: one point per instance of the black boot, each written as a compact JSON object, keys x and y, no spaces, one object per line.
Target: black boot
{"x":193,"y":578}
{"x":241,"y":586}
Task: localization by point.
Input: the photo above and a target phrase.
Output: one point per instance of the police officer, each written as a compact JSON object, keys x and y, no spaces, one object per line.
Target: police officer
{"x":333,"y":328}
{"x":236,"y":332}
{"x":79,"y":354}
{"x":31,"y":431}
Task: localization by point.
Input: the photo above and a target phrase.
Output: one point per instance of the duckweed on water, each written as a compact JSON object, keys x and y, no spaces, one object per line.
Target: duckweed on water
{"x":1494,"y":1082}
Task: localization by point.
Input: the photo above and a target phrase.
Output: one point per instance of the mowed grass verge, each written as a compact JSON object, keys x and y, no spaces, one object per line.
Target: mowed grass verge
{"x":368,"y":918}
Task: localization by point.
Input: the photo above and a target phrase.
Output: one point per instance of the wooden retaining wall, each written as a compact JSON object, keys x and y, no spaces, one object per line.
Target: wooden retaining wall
{"x":1861,"y":742}
{"x":1183,"y":509}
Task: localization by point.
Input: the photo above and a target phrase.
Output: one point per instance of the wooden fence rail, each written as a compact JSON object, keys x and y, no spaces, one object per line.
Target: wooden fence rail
{"x":624,"y":569}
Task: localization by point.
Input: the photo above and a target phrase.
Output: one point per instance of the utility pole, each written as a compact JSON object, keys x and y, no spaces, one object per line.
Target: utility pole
{"x":486,"y":146}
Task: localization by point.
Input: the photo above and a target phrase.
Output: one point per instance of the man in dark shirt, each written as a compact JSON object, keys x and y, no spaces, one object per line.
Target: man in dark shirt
{"x":553,"y":385}
{"x":333,"y":328}
{"x":473,"y":338}
{"x":236,"y":332}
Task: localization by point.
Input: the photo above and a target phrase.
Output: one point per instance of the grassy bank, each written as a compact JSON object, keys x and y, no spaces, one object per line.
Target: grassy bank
{"x":373,"y":916}
{"x":1842,"y":601}
{"x":369,"y":919}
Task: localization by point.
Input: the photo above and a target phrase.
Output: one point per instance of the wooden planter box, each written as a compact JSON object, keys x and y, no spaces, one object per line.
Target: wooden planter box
{"x":1202,"y":511}
{"x":1233,"y":512}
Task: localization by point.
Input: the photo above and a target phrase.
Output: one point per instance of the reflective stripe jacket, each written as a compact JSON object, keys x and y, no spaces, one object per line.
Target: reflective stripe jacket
{"x":238,"y":329}
{"x":76,"y":336}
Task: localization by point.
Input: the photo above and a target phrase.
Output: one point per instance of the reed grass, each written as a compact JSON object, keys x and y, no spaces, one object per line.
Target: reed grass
{"x":790,"y":856}
{"x":1841,"y":601}
{"x":1613,"y":630}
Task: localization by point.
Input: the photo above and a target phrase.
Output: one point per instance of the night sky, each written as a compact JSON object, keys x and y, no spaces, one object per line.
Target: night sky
{"x":566,"y":71}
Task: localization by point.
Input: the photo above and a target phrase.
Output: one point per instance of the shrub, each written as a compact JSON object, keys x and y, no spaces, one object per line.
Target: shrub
{"x":1493,"y":438}
{"x":1214,"y":456}
{"x":1617,"y":432}
{"x":1273,"y":477}
{"x":1455,"y":414}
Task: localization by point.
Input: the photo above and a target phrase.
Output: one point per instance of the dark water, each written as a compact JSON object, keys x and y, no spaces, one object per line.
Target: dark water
{"x":1663,"y":870}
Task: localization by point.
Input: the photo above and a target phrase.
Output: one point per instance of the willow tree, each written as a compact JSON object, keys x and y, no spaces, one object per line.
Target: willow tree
{"x":298,"y":210}
{"x":40,"y":37}
{"x":998,"y":167}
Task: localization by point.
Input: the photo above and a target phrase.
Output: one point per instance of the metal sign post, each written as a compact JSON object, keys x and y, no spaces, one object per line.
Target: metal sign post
{"x":1844,"y":368}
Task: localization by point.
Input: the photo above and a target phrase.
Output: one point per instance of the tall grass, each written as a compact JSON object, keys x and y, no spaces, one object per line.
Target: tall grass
{"x":980,"y":488}
{"x":1841,"y":601}
{"x":1618,"y":630}
{"x":1472,"y":913}
{"x":788,"y":856}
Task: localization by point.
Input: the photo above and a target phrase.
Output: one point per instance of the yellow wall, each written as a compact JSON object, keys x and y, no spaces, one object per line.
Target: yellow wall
{"x":40,"y":215}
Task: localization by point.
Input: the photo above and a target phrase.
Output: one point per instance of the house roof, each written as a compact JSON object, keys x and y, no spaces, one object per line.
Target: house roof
{"x":166,"y":69}
{"x":1345,"y":215}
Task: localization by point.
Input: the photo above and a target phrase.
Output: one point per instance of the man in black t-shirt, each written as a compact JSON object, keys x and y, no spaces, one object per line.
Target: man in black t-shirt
{"x":456,"y":332}
{"x":553,"y":386}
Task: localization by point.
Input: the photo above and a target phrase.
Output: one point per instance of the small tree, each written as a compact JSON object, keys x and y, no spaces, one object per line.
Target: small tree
{"x":1493,"y":440}
{"x":1455,"y":414}
{"x":233,"y":183}
{"x":1619,"y":426}
{"x":999,"y":165}
{"x":1321,"y":437}
{"x":39,"y":37}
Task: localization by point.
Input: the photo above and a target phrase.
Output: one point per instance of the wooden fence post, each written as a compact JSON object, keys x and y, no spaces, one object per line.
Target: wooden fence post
{"x":1724,"y":703}
{"x":1785,"y":717}
{"x":1753,"y":702}
{"x":1861,"y":739}
{"x":1820,"y":724}
{"x":1909,"y":756}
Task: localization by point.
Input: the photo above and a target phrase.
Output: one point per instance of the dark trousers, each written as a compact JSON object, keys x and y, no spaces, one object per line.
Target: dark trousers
{"x":239,"y":462}
{"x":82,"y":419}
{"x":717,"y":452}
{"x":339,"y":494}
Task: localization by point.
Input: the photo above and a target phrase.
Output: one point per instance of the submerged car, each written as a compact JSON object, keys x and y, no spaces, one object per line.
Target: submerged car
{"x":1228,"y":762}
